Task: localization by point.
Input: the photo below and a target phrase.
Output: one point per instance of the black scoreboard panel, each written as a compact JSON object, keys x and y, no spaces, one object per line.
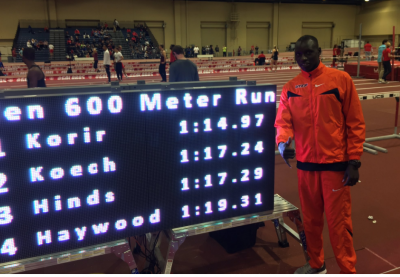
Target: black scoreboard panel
{"x":79,"y":170}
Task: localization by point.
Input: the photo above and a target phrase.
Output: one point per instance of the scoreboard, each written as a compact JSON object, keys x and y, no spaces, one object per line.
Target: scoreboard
{"x":81,"y":169}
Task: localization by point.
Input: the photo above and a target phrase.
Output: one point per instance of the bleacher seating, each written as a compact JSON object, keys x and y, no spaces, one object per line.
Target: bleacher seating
{"x":40,"y":35}
{"x":136,"y":55}
{"x":61,"y":47}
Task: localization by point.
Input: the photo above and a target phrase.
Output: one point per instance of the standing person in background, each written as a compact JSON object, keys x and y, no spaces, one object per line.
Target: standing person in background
{"x":116,"y":24}
{"x":196,"y":51}
{"x":20,"y":53}
{"x":239,"y":50}
{"x":274,"y":58}
{"x":123,"y":66}
{"x":163,"y":59}
{"x":35,"y":76}
{"x":207,"y":50}
{"x":368,"y":51}
{"x":96,"y":60}
{"x":211,"y":50}
{"x":118,"y":63}
{"x":216,"y":51}
{"x":257,"y":50}
{"x":386,"y":57}
{"x":171,"y":55}
{"x":334,"y":56}
{"x":107,"y":62}
{"x":183,"y":70}
{"x":14,"y":55}
{"x":51,"y":50}
{"x":380,"y":62}
{"x":224,"y":51}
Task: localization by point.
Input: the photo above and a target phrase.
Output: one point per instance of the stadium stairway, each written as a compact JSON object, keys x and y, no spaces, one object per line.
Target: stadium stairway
{"x":57,"y":38}
{"x":119,"y":39}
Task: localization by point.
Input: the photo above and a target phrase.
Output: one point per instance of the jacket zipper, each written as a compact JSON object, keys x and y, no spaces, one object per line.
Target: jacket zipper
{"x":313,"y":119}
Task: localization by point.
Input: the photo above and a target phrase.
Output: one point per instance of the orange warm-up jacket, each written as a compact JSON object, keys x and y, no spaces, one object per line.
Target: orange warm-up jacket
{"x":322,"y":112}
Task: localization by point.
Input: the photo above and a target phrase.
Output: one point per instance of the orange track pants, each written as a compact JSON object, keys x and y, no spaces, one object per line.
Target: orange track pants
{"x":324,"y":191}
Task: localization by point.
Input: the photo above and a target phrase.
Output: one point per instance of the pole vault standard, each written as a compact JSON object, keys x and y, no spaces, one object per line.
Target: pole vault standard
{"x":359,"y":53}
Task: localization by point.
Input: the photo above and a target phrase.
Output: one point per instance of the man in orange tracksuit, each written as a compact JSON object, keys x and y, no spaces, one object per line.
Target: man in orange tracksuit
{"x":320,"y":108}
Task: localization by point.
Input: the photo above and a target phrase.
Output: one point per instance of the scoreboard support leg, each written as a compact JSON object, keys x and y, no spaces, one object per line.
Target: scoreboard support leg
{"x":125,"y":254}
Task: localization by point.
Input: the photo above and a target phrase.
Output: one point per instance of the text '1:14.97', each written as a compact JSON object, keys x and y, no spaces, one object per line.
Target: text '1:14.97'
{"x":207,"y":125}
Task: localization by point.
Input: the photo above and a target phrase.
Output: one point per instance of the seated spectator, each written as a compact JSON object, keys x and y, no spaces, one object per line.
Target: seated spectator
{"x":69,"y":42}
{"x":21,"y":52}
{"x":76,"y":38}
{"x":46,"y":29}
{"x":77,"y":33}
{"x":67,"y":34}
{"x":46,"y":44}
{"x":28,"y":44}
{"x":135,"y":34}
{"x":128,"y":31}
{"x":92,"y":34}
{"x":261,"y":58}
{"x":85,"y":35}
{"x":105,"y":25}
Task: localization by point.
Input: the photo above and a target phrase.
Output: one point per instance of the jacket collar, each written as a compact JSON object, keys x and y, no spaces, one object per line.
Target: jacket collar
{"x":316,"y":72}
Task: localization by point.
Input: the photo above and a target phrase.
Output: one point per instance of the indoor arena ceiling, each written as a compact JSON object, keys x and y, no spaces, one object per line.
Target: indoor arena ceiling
{"x":337,"y":2}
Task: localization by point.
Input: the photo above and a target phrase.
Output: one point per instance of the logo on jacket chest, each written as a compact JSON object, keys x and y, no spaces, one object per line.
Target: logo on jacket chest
{"x":301,"y":86}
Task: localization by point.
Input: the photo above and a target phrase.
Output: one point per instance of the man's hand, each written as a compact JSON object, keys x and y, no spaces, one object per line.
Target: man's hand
{"x":286,"y":151}
{"x":351,"y":175}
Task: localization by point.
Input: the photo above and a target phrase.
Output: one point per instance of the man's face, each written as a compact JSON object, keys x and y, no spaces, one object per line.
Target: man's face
{"x":307,"y":55}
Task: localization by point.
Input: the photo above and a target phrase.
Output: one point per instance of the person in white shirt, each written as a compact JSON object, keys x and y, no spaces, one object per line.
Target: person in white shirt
{"x":123,"y":67}
{"x":118,"y":63}
{"x":196,"y":51}
{"x":116,"y":24}
{"x":28,"y":44}
{"x":107,"y":62}
{"x":51,"y":49}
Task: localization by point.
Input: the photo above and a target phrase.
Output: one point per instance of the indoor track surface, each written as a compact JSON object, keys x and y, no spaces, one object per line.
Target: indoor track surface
{"x":377,"y":245}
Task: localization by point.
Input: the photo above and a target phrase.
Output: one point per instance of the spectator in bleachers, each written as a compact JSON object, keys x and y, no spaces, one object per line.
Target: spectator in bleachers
{"x":135,"y":34}
{"x":207,"y":50}
{"x":116,"y":26}
{"x":76,"y":38}
{"x":211,"y":50}
{"x":128,"y":31}
{"x":30,"y":30}
{"x":46,"y":29}
{"x":216,"y":51}
{"x":69,"y":41}
{"x":77,"y":33}
{"x":196,"y":51}
{"x":46,"y":44}
{"x":105,"y":26}
{"x":85,"y":35}
{"x":239,"y":50}
{"x":51,"y":47}
{"x":21,"y":52}
{"x":92,"y":33}
{"x":2,"y":68}
{"x":98,"y":26}
{"x":28,"y":44}
{"x":14,"y":54}
{"x":35,"y":76}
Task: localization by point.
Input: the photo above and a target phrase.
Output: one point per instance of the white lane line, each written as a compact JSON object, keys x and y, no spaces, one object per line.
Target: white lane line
{"x":390,"y":270}
{"x":372,"y":252}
